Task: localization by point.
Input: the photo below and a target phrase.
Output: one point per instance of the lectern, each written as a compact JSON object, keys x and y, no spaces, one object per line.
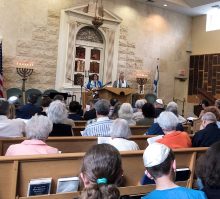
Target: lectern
{"x":122,"y":94}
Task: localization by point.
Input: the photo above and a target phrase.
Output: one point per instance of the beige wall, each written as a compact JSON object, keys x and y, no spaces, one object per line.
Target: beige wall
{"x":30,"y":30}
{"x":204,"y":42}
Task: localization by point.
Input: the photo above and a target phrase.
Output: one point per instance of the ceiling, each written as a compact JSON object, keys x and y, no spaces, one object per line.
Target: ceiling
{"x":188,"y":7}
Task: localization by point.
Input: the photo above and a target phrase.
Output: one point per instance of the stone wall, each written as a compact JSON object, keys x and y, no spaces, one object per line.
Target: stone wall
{"x":30,"y":31}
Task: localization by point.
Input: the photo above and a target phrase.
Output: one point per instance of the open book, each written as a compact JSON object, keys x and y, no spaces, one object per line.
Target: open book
{"x":39,"y":186}
{"x":70,"y":184}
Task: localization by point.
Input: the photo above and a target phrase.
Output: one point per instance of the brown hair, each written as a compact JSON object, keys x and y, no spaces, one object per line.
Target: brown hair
{"x":102,"y":161}
{"x":208,"y":167}
{"x":213,"y":110}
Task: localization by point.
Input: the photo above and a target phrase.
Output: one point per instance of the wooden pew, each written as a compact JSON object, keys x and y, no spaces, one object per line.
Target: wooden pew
{"x":21,"y":169}
{"x":135,"y":130}
{"x":80,"y":122}
{"x":70,"y":144}
{"x":73,"y":144}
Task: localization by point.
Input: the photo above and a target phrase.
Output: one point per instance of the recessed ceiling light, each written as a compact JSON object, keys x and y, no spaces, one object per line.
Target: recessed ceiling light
{"x":165,"y":5}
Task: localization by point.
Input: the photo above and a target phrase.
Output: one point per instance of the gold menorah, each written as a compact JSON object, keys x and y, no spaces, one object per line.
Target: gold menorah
{"x":24,"y":74}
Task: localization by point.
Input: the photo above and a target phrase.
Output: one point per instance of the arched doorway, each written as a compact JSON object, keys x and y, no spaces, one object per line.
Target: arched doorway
{"x":89,"y":55}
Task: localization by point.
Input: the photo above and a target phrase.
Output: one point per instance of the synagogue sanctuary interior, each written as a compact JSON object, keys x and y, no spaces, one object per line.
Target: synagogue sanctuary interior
{"x":98,"y":98}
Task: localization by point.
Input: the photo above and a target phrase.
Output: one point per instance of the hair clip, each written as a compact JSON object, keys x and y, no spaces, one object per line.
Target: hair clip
{"x":101,"y":181}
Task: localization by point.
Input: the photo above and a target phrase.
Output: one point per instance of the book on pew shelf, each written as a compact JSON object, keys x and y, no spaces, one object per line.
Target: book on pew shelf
{"x":69,"y":184}
{"x":40,"y":186}
{"x":182,"y":174}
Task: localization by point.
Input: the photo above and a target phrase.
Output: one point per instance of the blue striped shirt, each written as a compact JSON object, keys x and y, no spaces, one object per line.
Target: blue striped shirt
{"x":101,"y":128}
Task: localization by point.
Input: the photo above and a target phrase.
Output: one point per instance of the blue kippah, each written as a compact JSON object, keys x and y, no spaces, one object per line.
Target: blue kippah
{"x":101,"y":181}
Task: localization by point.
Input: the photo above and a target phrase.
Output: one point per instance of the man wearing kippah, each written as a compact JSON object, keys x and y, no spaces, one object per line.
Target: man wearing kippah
{"x":160,"y":165}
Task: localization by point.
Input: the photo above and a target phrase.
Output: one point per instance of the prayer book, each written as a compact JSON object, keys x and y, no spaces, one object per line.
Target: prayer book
{"x":69,"y":184}
{"x":39,"y":186}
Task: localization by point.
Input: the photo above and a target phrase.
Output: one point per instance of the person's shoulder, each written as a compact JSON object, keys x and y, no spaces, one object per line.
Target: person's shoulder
{"x":195,"y":193}
{"x":152,"y":195}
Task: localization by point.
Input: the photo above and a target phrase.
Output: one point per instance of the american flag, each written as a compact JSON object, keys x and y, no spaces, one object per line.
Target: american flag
{"x":1,"y":71}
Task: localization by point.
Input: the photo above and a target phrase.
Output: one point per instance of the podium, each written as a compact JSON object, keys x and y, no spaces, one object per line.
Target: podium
{"x":122,"y":94}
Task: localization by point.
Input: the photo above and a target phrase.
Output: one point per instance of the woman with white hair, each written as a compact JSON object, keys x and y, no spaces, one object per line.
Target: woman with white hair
{"x":174,"y":105}
{"x":120,"y":132}
{"x":138,"y":105}
{"x":126,"y":112}
{"x":58,"y":114}
{"x":37,"y":132}
{"x":172,"y":138}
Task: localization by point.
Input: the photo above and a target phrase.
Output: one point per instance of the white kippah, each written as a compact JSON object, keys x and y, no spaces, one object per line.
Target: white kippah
{"x":155,"y":154}
{"x":159,"y":101}
{"x":12,"y":99}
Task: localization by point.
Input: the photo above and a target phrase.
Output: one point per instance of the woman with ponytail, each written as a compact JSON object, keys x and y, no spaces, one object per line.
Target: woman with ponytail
{"x":101,"y":173}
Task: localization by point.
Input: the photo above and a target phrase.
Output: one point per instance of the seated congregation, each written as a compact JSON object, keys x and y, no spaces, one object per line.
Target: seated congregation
{"x":112,"y":122}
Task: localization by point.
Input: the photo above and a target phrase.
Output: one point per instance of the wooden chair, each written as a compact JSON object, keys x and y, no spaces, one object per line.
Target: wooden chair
{"x":18,"y":171}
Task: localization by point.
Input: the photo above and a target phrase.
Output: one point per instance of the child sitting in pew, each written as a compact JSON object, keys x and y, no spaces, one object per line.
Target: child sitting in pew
{"x":160,"y":165}
{"x":101,"y":173}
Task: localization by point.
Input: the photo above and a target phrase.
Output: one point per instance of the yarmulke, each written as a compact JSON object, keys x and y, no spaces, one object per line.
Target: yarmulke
{"x":12,"y":99}
{"x":159,"y":101}
{"x":155,"y":154}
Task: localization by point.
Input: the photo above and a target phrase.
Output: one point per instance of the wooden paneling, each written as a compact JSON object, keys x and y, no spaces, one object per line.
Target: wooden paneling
{"x":204,"y":73}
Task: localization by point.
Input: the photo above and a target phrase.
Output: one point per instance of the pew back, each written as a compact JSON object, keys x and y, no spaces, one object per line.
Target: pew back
{"x":21,"y":169}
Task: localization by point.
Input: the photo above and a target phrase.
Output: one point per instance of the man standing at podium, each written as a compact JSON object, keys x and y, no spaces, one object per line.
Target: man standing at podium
{"x":121,"y":82}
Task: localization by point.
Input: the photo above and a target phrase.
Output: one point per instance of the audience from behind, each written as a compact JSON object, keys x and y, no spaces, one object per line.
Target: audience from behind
{"x":74,"y":110}
{"x":113,"y":102}
{"x":149,"y":114}
{"x":138,"y":105}
{"x":208,"y":171}
{"x":155,"y":129}
{"x":57,"y":113}
{"x":126,"y":112}
{"x":9,"y":127}
{"x":101,"y":173}
{"x":209,"y":133}
{"x":217,"y":103}
{"x":120,"y":133}
{"x":101,"y":127}
{"x":174,"y":105}
{"x":172,"y":138}
{"x":37,"y":132}
{"x":215,"y":111}
{"x":160,"y":164}
{"x":91,"y":112}
{"x":159,"y":107}
{"x":45,"y":102}
{"x":29,"y":109}
{"x":204,"y":104}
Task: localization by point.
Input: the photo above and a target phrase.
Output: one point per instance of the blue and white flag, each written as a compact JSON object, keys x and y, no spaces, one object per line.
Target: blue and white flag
{"x":156,"y":81}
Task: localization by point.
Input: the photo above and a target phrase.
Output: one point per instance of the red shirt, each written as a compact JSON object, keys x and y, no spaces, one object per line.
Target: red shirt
{"x":176,"y":139}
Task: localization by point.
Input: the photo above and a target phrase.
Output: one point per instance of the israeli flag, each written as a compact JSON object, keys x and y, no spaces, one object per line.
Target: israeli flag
{"x":156,"y":81}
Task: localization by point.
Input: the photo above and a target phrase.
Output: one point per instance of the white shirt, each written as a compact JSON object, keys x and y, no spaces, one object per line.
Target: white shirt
{"x":11,"y":128}
{"x":123,"y":145}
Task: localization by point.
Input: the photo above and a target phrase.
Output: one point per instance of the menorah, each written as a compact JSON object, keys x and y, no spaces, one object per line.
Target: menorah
{"x":24,"y":74}
{"x":141,"y":81}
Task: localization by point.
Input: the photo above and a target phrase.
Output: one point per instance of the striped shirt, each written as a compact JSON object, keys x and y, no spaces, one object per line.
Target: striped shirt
{"x":101,"y":128}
